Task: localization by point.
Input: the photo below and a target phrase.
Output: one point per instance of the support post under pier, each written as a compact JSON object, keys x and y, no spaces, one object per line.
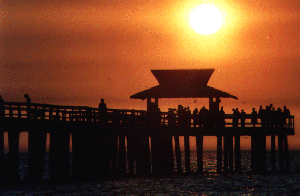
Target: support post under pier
{"x":178,"y":153}
{"x":237,"y":151}
{"x":36,"y":154}
{"x":199,"y":145}
{"x":13,"y":158}
{"x":258,"y":153}
{"x":59,"y":164}
{"x":219,"y":154}
{"x":187,"y":153}
{"x":273,"y":154}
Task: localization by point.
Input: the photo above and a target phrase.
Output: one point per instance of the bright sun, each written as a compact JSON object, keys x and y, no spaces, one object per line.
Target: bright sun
{"x":206,"y":19}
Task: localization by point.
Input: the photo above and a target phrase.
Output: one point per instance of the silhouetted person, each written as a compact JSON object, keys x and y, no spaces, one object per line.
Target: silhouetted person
{"x":280,"y":118}
{"x":261,"y":114}
{"x":286,"y":114}
{"x":236,"y":116}
{"x":254,"y":117}
{"x":132,"y":118}
{"x":267,"y":114}
{"x":243,"y":118}
{"x":203,"y":117}
{"x":188,"y":117}
{"x":28,"y":100}
{"x":2,"y":110}
{"x":102,"y":112}
{"x":195,"y":117}
{"x":180,"y":114}
{"x":221,"y":118}
{"x":272,"y":117}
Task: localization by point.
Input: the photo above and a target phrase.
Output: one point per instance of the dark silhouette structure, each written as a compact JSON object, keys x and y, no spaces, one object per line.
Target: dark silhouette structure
{"x":105,"y":141}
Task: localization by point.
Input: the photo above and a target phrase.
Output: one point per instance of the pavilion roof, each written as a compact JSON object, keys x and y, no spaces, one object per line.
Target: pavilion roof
{"x":186,"y":83}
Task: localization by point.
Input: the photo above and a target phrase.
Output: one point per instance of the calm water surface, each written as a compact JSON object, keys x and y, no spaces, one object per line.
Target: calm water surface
{"x":208,"y":184}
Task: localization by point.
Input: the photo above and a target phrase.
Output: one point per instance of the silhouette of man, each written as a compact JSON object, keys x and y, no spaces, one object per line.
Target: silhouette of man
{"x":221,"y":117}
{"x":243,"y":118}
{"x":286,"y":114}
{"x":195,"y":117}
{"x":280,"y":118}
{"x":180,"y":114}
{"x":102,"y":112}
{"x":254,"y":117}
{"x":132,"y":118}
{"x":28,"y":100}
{"x":203,"y":114}
{"x":188,"y":116}
{"x":272,"y":118}
{"x":236,"y":116}
{"x":261,"y":114}
{"x":267,"y":114}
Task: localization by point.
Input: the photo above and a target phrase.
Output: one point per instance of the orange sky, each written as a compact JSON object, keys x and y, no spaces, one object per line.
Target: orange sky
{"x":76,"y":53}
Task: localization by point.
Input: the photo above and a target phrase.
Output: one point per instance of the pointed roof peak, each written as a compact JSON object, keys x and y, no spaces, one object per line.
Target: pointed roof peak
{"x":179,"y":77}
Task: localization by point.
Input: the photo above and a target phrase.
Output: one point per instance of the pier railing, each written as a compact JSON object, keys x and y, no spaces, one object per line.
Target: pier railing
{"x":83,"y":113}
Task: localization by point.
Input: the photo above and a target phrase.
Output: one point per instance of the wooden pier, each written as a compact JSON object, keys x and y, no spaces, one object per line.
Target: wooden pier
{"x":109,"y":142}
{"x":99,"y":149}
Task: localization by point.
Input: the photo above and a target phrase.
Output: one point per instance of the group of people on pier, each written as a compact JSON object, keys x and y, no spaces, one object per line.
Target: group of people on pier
{"x":269,"y":117}
{"x":202,"y":118}
{"x":183,"y":117}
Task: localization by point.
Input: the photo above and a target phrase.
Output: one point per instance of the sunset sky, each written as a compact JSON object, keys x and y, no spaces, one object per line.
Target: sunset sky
{"x":76,"y":52}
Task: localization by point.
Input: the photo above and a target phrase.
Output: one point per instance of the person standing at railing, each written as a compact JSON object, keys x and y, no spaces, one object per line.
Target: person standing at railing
{"x":236,"y":116}
{"x":132,"y":118}
{"x":243,"y":118}
{"x":286,"y":114}
{"x":221,"y":118}
{"x":254,"y":117}
{"x":280,"y":118}
{"x":195,"y":117}
{"x":180,"y":114}
{"x":102,"y":112}
{"x":267,"y":114}
{"x":2,"y":110}
{"x":188,"y":117}
{"x":203,"y":117}
{"x":261,"y":114}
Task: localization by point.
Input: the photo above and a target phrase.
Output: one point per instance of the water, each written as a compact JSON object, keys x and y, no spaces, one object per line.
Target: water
{"x":208,"y":184}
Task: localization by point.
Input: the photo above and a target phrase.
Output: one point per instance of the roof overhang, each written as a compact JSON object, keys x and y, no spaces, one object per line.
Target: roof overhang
{"x":161,"y":91}
{"x":186,"y":83}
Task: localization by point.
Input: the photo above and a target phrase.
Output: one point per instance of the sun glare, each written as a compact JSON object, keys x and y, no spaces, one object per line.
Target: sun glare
{"x":206,"y":19}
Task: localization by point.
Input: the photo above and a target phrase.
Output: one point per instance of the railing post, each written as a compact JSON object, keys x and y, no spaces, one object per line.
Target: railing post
{"x":50,"y":113}
{"x":28,"y":110}
{"x":11,"y":112}
{"x":19,"y":111}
